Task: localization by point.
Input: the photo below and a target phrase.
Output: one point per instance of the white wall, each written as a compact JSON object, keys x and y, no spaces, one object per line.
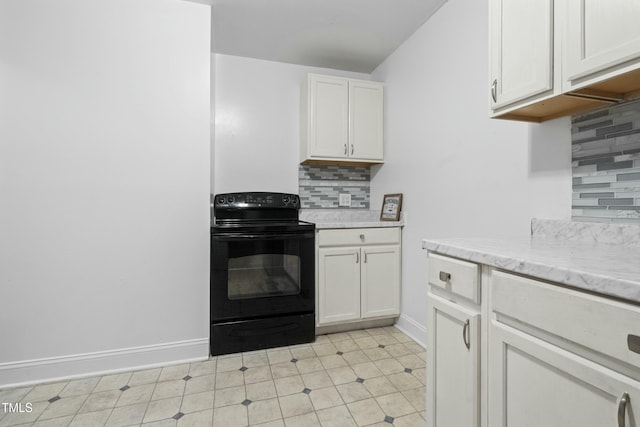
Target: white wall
{"x":257,"y":134}
{"x":104,"y":185}
{"x":462,"y":174}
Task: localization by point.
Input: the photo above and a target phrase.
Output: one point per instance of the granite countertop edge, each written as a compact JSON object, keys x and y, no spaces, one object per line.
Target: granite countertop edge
{"x":608,"y":270}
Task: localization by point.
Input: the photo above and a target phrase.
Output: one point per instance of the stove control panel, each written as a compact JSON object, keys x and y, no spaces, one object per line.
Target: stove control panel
{"x":257,"y":200}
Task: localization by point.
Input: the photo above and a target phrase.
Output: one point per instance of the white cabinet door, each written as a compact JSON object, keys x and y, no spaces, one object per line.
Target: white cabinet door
{"x":338,"y":284}
{"x":534,"y":383}
{"x":453,"y":356}
{"x":328,"y":116}
{"x":365,"y":120}
{"x":600,"y":34}
{"x":521,"y":50}
{"x":380,"y":284}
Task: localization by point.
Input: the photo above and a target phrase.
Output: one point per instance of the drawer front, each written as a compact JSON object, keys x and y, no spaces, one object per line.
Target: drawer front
{"x":358,"y":236}
{"x":456,"y":276}
{"x":608,"y":327}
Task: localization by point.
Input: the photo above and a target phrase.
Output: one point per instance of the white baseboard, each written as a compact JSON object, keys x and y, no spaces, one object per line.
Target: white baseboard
{"x":413,"y":329}
{"x":13,"y":374}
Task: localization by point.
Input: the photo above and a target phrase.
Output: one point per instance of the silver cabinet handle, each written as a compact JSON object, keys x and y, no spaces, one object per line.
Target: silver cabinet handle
{"x":465,"y":332}
{"x":444,"y":276}
{"x":345,"y":149}
{"x":364,"y":257}
{"x":357,"y":257}
{"x":494,"y":90}
{"x":622,"y":408}
{"x":362,"y":237}
{"x":352,"y":149}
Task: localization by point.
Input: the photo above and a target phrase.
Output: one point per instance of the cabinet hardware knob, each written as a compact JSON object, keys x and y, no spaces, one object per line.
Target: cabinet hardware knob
{"x":345,"y":149}
{"x":494,"y":90}
{"x":633,"y":342}
{"x":352,"y":149}
{"x":362,"y":237}
{"x":357,"y":257}
{"x":465,"y":333}
{"x":622,"y":409}
{"x":365,"y":257}
{"x":444,"y":276}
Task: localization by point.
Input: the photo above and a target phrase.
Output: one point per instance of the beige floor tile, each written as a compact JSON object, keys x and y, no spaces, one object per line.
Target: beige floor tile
{"x":257,"y":374}
{"x":229,"y":379}
{"x":376,"y":353}
{"x":261,"y":391}
{"x":16,"y":394}
{"x":355,"y":357}
{"x":91,"y":419}
{"x":112,"y":382}
{"x":340,"y":336}
{"x":280,"y":355}
{"x":276,"y":423}
{"x":289,"y":385}
{"x":255,"y":359}
{"x":174,"y":372}
{"x":197,"y":419}
{"x":229,"y":396}
{"x":379,"y":385}
{"x":295,"y":404}
{"x":397,"y":350}
{"x":366,"y":342}
{"x":352,"y":392}
{"x":366,"y":412}
{"x":301,"y":352}
{"x":285,"y":369}
{"x":385,"y":339}
{"x":229,"y":364}
{"x":168,"y":422}
{"x":395,"y":405}
{"x":411,"y":361}
{"x":200,"y":384}
{"x":167,"y":389}
{"x":325,"y":398}
{"x":80,"y":387}
{"x":338,"y":416}
{"x":422,"y":355}
{"x":366,"y":370}
{"x":63,"y":407}
{"x":25,"y":417}
{"x":44,"y":392}
{"x":346,"y":346}
{"x":404,"y":381}
{"x":414,"y":347}
{"x":324,"y":349}
{"x":341,"y":375}
{"x":358,"y":334}
{"x":197,"y":402}
{"x":161,"y":409}
{"x":306,"y":420}
{"x":321,"y":339}
{"x":264,"y":411}
{"x":230,"y":416}
{"x":311,"y":364}
{"x":136,"y":394}
{"x":101,"y":400}
{"x":401,"y":336}
{"x":411,"y":420}
{"x":206,"y":367}
{"x":55,"y":422}
{"x":127,"y":415}
{"x":421,"y":375}
{"x":333,"y":361}
{"x":148,"y":376}
{"x":417,"y":397}
{"x":389,"y":366}
{"x":315,"y":380}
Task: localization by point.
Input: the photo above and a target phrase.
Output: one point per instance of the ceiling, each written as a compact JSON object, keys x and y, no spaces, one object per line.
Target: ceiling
{"x":351,"y":35}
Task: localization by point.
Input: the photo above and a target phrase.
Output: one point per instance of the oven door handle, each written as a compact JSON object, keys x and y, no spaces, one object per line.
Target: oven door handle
{"x":266,"y":236}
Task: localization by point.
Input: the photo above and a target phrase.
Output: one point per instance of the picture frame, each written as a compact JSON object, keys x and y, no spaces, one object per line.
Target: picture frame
{"x":391,"y":207}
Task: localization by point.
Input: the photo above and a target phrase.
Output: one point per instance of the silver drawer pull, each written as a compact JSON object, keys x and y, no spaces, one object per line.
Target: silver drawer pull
{"x":633,"y":342}
{"x":444,"y":276}
{"x":465,"y":333}
{"x":622,"y":409}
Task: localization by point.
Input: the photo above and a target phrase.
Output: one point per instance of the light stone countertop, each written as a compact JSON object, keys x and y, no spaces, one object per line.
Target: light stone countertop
{"x":604,"y":268}
{"x":346,"y":218}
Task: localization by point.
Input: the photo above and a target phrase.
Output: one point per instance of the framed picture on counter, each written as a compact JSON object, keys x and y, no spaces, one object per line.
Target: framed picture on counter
{"x":391,"y":206}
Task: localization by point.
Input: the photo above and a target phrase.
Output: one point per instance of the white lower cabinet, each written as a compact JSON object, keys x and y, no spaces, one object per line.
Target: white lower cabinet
{"x":539,"y":354}
{"x":358,"y":274}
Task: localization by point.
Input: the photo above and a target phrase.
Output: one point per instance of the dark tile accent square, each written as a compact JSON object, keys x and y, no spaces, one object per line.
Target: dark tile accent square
{"x":388,"y":419}
{"x":294,"y":360}
{"x":246,"y":402}
{"x":125,"y":388}
{"x":306,"y":390}
{"x":244,"y":368}
{"x":54,"y":399}
{"x":408,"y":370}
{"x":339,"y":353}
{"x":187,"y":377}
{"x":359,"y":380}
{"x":178,"y":416}
{"x":380,"y":345}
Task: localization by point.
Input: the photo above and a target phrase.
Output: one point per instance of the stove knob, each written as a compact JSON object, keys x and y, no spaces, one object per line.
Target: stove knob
{"x":285,"y":199}
{"x":295,"y":200}
{"x":220,"y":200}
{"x":230,"y":199}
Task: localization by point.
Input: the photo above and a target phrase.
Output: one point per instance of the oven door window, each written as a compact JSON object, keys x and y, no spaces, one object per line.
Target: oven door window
{"x":263,"y":275}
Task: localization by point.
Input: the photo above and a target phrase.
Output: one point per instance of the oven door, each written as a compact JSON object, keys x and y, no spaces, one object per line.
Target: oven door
{"x":262,"y":274}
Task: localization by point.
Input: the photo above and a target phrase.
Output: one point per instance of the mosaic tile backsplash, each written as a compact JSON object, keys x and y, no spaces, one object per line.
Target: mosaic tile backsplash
{"x":321,"y":186}
{"x":606,"y":164}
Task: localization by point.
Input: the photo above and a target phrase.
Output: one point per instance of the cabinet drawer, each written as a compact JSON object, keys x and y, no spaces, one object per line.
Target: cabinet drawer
{"x":599,"y":324}
{"x":359,"y":236}
{"x":456,"y":276}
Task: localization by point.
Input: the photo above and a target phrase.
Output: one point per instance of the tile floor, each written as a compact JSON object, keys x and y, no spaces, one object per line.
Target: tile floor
{"x":371,"y":377}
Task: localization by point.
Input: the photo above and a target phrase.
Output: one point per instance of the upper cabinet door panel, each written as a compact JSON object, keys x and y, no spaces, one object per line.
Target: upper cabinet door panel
{"x":521,"y":49}
{"x":365,"y":120}
{"x":329,"y":116}
{"x":600,"y":34}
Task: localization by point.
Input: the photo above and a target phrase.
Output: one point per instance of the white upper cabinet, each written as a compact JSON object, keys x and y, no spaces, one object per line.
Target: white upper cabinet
{"x":341,"y":120}
{"x":521,"y":50}
{"x":601,"y":34}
